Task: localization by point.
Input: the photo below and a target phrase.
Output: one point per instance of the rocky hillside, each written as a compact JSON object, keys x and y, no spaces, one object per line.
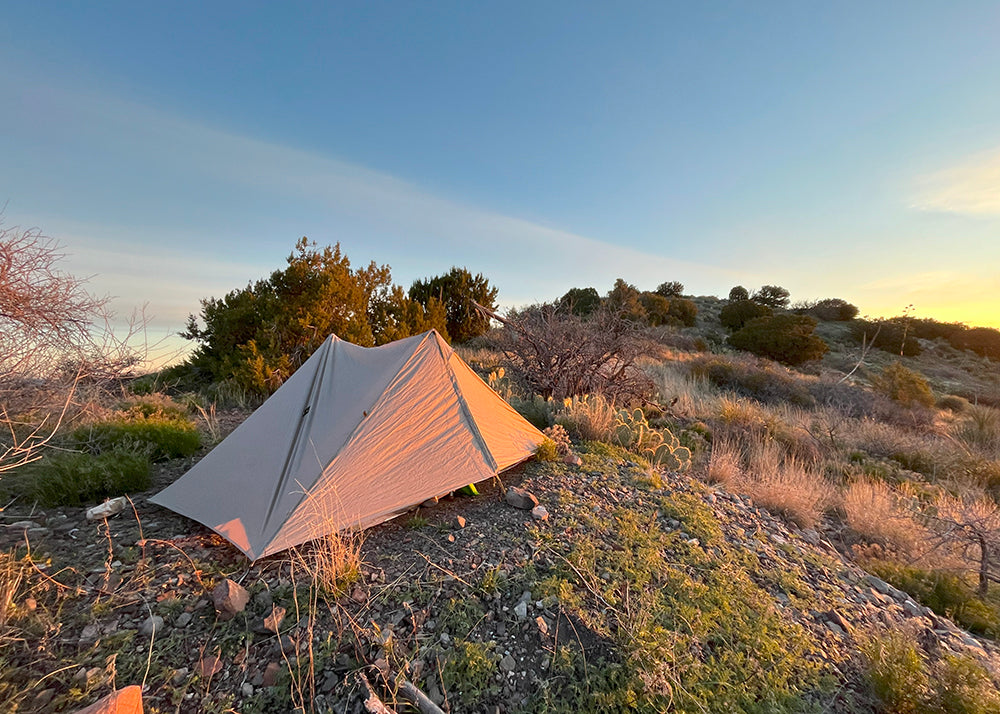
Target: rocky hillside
{"x":632,"y":590}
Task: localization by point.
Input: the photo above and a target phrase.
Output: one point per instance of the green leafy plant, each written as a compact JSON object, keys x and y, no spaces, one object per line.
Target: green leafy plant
{"x":547,"y":451}
{"x":75,"y":479}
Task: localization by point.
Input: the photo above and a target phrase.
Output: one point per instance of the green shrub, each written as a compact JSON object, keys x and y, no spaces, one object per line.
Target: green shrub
{"x":75,"y":479}
{"x":963,"y":686}
{"x":580,"y":301}
{"x":155,"y":425}
{"x":897,"y":673}
{"x":833,"y":310}
{"x":737,"y":314}
{"x":738,"y":294}
{"x":904,"y":386}
{"x":547,"y":451}
{"x":161,"y":439}
{"x":468,"y":672}
{"x":785,"y":338}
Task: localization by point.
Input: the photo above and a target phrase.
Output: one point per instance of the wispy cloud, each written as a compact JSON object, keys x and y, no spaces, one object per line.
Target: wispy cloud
{"x":222,"y":194}
{"x":971,"y":187}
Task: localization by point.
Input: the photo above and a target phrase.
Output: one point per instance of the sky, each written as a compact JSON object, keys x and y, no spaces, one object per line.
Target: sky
{"x":178,"y":150}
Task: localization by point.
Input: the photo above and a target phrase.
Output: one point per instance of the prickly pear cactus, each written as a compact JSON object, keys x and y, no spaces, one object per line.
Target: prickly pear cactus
{"x":659,"y":446}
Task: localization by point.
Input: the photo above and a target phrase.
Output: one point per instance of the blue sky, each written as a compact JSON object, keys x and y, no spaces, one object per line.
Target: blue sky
{"x":178,"y":150}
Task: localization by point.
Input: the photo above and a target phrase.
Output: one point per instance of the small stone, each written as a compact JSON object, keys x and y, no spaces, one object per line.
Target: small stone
{"x":430,"y":502}
{"x":273,"y":621}
{"x":90,"y":634}
{"x":42,"y":699}
{"x":270,"y":674}
{"x":507,"y":664}
{"x":519,"y":498}
{"x":521,"y":610}
{"x":23,"y":525}
{"x":359,"y":596}
{"x":184,"y":619}
{"x":229,"y":598}
{"x":458,"y":522}
{"x":152,"y":625}
{"x":912,"y":609}
{"x":247,"y":689}
{"x":179,"y":675}
{"x":543,"y":626}
{"x":572,"y":459}
{"x":209,"y":666}
{"x":835,"y":628}
{"x":839,"y":620}
{"x":540,"y":513}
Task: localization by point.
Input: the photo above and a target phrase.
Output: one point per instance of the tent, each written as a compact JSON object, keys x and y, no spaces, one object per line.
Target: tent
{"x":356,"y":436}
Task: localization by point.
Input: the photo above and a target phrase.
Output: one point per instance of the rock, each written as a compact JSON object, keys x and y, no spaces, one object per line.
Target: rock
{"x":519,"y":498}
{"x":247,"y":689}
{"x":430,"y":502}
{"x":880,"y":585}
{"x":359,"y":596}
{"x":179,"y":675}
{"x":521,"y":610}
{"x":543,"y":626}
{"x":230,"y":598}
{"x":839,"y":620}
{"x":912,"y":609}
{"x":209,"y":666}
{"x":835,"y":628}
{"x":91,"y":633}
{"x":107,"y":509}
{"x":273,"y":621}
{"x":124,"y":701}
{"x":539,"y":513}
{"x":458,"y":522}
{"x":183,"y":620}
{"x":572,"y":459}
{"x":42,"y":700}
{"x":507,"y":664}
{"x":270,"y":674}
{"x":152,"y":625}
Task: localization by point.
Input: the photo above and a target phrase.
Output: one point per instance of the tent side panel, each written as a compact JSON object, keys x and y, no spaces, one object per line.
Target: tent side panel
{"x":509,"y":436}
{"x":415,"y":444}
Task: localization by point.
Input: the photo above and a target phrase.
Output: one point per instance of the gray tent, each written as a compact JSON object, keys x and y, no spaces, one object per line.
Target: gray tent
{"x":354,"y":437}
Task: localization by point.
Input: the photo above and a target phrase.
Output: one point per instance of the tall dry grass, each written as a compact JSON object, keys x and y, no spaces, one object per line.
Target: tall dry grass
{"x":590,"y":417}
{"x":785,"y":485}
{"x":12,"y":572}
{"x":877,"y":512}
{"x":725,"y":463}
{"x":332,"y":561}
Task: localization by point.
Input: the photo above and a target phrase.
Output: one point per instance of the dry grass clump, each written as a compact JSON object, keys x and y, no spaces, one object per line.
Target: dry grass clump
{"x":875,"y":511}
{"x":688,"y":394}
{"x":724,"y":463}
{"x":332,"y":561}
{"x":590,"y":417}
{"x":980,"y":430}
{"x":12,"y":572}
{"x":786,"y":485}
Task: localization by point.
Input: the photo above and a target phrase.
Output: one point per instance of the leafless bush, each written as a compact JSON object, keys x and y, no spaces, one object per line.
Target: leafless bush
{"x":55,"y":339}
{"x":563,"y":355}
{"x":969,"y":524}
